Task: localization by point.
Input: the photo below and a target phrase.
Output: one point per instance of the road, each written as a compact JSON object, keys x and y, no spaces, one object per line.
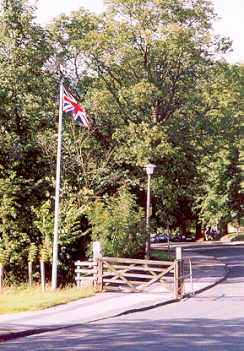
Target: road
{"x":211,"y":321}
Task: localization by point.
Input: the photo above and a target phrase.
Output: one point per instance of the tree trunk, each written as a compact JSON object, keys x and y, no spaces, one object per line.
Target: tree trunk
{"x":1,"y":277}
{"x":30,"y":273}
{"x":198,"y":230}
{"x":43,"y":275}
{"x":222,"y":228}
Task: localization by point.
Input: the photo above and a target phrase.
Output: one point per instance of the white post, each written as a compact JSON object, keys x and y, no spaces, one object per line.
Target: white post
{"x":179,"y":253}
{"x":43,"y":275}
{"x":55,"y":238}
{"x":96,"y":250}
{"x":179,"y":273}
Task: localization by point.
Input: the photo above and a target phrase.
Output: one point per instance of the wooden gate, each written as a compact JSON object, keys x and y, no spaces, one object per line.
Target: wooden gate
{"x":133,"y":274}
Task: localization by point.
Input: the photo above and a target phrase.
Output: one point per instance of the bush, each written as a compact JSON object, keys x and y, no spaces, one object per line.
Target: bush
{"x":119,"y":224}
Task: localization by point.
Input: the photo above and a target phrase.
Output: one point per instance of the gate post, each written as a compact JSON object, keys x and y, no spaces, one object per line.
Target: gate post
{"x":179,"y":274}
{"x":97,"y":257}
{"x":179,"y":278}
{"x":99,"y":282}
{"x":179,"y":253}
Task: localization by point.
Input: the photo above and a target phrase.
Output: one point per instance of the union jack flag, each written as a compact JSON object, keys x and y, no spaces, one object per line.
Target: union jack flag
{"x":70,"y":105}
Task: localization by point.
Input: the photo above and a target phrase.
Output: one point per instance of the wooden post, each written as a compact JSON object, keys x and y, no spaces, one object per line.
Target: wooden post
{"x":179,"y":279}
{"x":97,"y":255}
{"x":99,"y":281}
{"x":78,"y":278}
{"x":192,"y":289}
{"x":176,"y":278}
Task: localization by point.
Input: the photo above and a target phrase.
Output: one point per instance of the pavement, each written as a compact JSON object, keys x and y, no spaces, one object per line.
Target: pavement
{"x":206,"y":272}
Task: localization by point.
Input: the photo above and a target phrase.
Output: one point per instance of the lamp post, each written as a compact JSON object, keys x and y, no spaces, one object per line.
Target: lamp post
{"x":149,"y":170}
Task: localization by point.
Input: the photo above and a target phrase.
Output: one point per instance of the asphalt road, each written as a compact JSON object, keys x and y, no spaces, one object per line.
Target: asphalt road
{"x":211,"y":321}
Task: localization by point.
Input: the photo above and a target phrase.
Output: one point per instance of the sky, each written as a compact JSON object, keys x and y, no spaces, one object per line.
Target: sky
{"x":231,"y":13}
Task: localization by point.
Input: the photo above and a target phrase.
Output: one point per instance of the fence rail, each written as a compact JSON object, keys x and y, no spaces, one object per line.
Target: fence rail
{"x":85,"y":276}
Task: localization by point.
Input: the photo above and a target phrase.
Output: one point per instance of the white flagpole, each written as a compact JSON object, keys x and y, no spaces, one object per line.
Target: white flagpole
{"x":55,"y":238}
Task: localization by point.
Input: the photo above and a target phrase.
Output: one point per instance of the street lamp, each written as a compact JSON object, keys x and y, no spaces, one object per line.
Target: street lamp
{"x":149,"y":170}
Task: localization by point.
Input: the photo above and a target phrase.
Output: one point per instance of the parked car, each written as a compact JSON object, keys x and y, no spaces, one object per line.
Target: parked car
{"x":177,"y":237}
{"x":162,"y":237}
{"x":189,"y":237}
{"x":153,"y":239}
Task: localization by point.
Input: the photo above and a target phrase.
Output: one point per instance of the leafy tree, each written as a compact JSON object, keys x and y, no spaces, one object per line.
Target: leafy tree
{"x":222,"y":201}
{"x":158,"y":94}
{"x":220,"y":196}
{"x":159,"y":89}
{"x":24,"y":109}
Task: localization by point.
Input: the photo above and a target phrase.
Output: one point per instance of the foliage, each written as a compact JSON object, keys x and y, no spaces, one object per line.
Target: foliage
{"x":220,"y":195}
{"x":118,"y":223}
{"x":222,"y":200}
{"x":32,"y":252}
{"x":4,"y":255}
{"x":24,"y":108}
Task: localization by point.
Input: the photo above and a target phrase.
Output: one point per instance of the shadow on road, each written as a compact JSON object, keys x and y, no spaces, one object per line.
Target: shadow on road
{"x":180,"y":334}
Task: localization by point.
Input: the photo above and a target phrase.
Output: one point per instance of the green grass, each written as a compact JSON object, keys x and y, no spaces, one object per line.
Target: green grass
{"x":21,"y":299}
{"x":160,"y":255}
{"x":232,"y":237}
{"x":238,"y":238}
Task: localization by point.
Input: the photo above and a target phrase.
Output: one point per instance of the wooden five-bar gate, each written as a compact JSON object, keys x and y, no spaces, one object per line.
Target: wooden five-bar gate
{"x":132,"y":275}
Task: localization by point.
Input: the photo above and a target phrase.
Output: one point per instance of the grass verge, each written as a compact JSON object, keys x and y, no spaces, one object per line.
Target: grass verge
{"x":14,"y":300}
{"x":160,"y":255}
{"x":232,"y":237}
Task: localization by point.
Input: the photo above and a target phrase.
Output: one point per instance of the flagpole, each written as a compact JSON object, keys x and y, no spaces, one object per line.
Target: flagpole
{"x":56,"y":219}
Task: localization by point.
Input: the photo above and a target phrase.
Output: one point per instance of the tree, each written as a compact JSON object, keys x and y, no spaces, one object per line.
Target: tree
{"x":24,"y":109}
{"x":220,"y":196}
{"x":157,"y":94}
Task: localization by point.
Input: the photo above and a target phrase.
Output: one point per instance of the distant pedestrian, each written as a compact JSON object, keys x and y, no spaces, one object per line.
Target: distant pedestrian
{"x":207,"y":233}
{"x":212,"y":233}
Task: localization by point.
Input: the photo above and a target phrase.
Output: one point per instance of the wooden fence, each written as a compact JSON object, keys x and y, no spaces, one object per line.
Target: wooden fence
{"x":134,"y":275}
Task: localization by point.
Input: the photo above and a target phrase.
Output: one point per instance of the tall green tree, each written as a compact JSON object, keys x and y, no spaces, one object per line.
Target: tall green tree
{"x":222,"y":201}
{"x":220,"y":198}
{"x":158,"y":94}
{"x":25,"y":109}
